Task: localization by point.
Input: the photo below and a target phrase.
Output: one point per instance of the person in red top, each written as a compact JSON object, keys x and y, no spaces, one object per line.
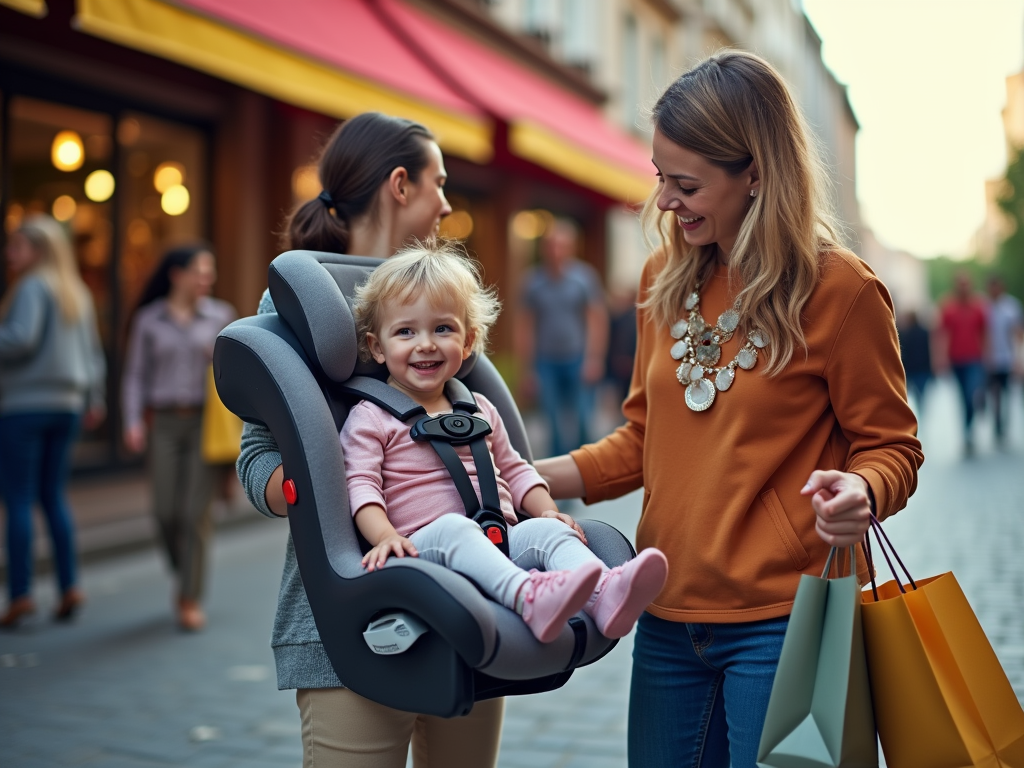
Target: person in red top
{"x":964,"y":325}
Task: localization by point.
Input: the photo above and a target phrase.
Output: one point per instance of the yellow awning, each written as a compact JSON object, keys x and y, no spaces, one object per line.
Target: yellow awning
{"x":556,"y":153}
{"x":249,"y":61}
{"x":35,"y":8}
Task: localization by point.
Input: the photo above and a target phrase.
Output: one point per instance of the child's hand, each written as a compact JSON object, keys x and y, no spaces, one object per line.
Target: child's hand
{"x":567,"y":519}
{"x":390,"y":545}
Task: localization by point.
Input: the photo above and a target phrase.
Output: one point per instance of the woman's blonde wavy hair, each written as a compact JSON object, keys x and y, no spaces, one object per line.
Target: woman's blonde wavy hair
{"x":443,"y":272}
{"x":734,"y":108}
{"x":55,"y":264}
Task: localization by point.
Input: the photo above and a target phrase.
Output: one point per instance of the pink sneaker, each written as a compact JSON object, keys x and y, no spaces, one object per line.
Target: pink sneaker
{"x":549,"y":598}
{"x":626,"y":591}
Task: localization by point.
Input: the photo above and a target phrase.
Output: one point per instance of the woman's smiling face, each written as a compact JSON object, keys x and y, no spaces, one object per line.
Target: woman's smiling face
{"x":708,"y":203}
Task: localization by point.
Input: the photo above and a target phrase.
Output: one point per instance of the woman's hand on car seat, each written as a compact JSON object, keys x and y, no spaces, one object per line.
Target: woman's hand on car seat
{"x":538,"y":503}
{"x":372,"y":521}
{"x":567,"y":519}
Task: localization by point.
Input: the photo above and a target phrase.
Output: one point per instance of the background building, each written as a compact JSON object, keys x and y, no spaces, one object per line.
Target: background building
{"x":199,"y":119}
{"x":996,"y":227}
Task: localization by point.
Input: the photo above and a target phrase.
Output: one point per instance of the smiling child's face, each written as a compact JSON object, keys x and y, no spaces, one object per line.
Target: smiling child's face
{"x":422,"y":345}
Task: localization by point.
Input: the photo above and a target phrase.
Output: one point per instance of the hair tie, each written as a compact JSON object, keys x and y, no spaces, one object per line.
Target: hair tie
{"x":325,"y":198}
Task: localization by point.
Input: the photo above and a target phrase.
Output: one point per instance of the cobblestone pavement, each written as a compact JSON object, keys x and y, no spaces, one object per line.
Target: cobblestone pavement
{"x":123,"y":688}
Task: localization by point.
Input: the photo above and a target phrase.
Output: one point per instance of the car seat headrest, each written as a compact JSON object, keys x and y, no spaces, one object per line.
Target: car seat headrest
{"x":312,"y":292}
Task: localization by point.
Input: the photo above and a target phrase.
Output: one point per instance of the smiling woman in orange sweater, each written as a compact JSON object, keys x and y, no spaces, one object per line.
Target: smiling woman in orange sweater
{"x":767,"y":414}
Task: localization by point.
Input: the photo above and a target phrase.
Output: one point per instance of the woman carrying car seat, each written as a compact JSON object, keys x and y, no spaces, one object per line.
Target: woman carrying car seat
{"x":383,"y":179}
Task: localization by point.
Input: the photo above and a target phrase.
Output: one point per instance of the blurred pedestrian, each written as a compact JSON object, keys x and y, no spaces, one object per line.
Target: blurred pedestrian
{"x":766,"y":420}
{"x":383,"y":183}
{"x":1006,"y":330}
{"x":964,"y":326}
{"x":170,"y":347}
{"x":916,"y":354}
{"x":52,"y":379}
{"x":621,"y":341}
{"x":563,"y":335}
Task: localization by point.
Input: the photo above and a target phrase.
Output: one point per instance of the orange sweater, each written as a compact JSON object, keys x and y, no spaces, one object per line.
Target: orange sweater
{"x":722,"y":487}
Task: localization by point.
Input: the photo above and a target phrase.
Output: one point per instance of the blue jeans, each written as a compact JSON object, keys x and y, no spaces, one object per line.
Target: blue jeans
{"x":971,"y":378}
{"x":563,"y":392}
{"x":35,"y":458}
{"x":700,"y":692}
{"x":917,"y":385}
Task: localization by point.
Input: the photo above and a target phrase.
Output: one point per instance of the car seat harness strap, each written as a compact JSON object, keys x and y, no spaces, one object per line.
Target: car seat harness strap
{"x":579,"y":636}
{"x":444,"y":432}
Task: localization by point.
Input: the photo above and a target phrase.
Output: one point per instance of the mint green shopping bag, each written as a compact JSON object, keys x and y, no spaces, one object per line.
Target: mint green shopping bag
{"x":819,"y":714}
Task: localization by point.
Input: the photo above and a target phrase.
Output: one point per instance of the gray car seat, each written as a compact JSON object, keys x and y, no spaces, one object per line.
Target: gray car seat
{"x":286,"y":371}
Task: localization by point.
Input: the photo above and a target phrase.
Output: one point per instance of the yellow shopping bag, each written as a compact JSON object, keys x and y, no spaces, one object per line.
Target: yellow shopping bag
{"x":941,"y":698}
{"x":222,"y":430}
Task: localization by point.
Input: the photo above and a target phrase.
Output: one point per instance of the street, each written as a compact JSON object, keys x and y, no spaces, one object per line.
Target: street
{"x":122,"y":687}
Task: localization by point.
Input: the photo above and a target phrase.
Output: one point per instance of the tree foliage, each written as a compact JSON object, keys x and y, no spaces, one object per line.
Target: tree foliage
{"x":1010,"y":256}
{"x":941,"y":271}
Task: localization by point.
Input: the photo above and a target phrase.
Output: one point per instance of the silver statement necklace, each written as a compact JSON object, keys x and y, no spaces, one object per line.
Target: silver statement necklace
{"x":699,"y":347}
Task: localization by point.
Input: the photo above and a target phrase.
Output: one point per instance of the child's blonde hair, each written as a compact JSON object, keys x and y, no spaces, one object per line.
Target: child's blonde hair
{"x":441,"y":271}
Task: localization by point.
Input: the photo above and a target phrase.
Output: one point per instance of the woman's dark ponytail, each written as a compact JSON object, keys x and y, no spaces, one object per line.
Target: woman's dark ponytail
{"x":313,"y":227}
{"x":360,"y":155}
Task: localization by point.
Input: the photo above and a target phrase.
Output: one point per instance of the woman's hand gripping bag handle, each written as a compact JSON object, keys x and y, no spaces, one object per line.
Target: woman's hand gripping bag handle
{"x":940,"y":695}
{"x":819,"y":713}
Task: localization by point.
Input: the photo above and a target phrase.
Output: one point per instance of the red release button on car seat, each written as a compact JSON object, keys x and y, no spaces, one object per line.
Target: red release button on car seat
{"x":494,"y":534}
{"x":291,"y":493}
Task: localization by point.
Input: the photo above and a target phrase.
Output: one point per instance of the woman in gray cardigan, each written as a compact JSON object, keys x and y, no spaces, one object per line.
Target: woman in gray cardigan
{"x":52,"y":372}
{"x":383,"y":180}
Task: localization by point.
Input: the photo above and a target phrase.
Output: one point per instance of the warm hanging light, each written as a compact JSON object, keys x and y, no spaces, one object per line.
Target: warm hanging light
{"x":175,"y":200}
{"x":67,"y":151}
{"x":305,"y":183}
{"x":529,"y":225}
{"x":457,"y":225}
{"x":64,"y":208}
{"x":167,"y":175}
{"x":99,"y":186}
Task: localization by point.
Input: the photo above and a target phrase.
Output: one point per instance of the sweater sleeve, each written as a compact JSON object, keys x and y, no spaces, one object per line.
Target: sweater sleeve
{"x":867,"y":389}
{"x":362,"y":441}
{"x":613,"y":466}
{"x":259,"y":455}
{"x":132,"y":381}
{"x":22,"y":330}
{"x":515,"y":470}
{"x":258,"y":458}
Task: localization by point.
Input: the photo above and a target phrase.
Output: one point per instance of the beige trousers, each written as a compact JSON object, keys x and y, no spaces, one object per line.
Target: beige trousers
{"x":341,"y":729}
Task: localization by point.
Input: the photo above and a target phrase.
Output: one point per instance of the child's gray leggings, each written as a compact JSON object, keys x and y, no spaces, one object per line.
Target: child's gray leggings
{"x":456,"y":542}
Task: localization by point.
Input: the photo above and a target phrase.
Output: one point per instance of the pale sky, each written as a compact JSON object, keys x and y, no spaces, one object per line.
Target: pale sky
{"x":927,"y":82}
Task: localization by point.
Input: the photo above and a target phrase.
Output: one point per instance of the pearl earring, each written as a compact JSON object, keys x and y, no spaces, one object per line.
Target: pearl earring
{"x":753,"y":193}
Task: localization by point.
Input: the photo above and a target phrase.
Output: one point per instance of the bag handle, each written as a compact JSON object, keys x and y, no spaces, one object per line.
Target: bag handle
{"x":880,"y":534}
{"x":832,"y":556}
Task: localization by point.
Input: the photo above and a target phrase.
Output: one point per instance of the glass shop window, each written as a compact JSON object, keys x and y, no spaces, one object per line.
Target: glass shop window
{"x":60,"y":162}
{"x":126,"y":188}
{"x":163,"y":202}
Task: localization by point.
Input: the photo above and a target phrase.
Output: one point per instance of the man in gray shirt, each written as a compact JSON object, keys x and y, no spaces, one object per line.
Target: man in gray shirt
{"x":563,"y":336}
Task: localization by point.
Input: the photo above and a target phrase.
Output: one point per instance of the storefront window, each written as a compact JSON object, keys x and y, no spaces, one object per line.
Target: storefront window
{"x":126,"y":188}
{"x":61,"y":163}
{"x":163,"y":200}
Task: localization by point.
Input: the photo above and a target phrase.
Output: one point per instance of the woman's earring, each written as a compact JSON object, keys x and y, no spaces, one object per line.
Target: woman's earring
{"x":753,"y":193}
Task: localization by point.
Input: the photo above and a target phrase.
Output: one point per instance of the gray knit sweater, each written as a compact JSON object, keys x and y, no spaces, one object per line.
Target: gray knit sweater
{"x":46,"y":363}
{"x":298,"y":651}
